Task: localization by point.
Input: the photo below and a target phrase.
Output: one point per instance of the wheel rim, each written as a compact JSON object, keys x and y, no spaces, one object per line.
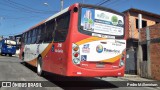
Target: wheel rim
{"x":39,"y":68}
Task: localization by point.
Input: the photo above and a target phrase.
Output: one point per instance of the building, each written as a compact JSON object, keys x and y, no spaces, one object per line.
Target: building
{"x":1,"y":37}
{"x":131,"y":16}
{"x":150,"y":43}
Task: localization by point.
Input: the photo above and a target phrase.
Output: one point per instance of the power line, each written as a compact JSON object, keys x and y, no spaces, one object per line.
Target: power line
{"x":115,"y":2}
{"x":103,"y":2}
{"x":18,"y":18}
{"x":99,"y":2}
{"x":23,"y":8}
{"x":115,"y":5}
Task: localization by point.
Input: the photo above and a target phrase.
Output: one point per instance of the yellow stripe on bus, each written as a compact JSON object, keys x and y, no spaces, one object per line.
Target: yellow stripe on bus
{"x":46,"y":50}
{"x":34,"y":61}
{"x":89,"y":40}
{"x":112,"y":60}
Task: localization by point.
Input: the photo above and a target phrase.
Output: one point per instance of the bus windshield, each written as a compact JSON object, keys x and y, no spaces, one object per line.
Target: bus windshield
{"x":10,"y":42}
{"x":97,"y":21}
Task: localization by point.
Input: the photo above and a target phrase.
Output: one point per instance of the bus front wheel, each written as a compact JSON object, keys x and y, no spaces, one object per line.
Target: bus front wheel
{"x":23,"y":62}
{"x":39,"y":66}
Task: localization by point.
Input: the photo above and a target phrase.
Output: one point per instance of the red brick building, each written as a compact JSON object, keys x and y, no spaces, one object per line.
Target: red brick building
{"x":148,"y":19}
{"x":153,"y":48}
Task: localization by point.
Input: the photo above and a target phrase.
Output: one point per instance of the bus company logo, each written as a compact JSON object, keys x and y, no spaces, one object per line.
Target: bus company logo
{"x":86,"y":48}
{"x":102,"y":16}
{"x":111,"y":51}
{"x":99,"y":48}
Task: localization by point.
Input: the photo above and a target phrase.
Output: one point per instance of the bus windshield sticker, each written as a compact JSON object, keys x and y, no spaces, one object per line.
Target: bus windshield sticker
{"x":102,"y":22}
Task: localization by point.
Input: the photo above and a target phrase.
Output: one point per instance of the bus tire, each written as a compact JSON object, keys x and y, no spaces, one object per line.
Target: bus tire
{"x":39,"y":66}
{"x":23,"y":62}
{"x":10,"y":55}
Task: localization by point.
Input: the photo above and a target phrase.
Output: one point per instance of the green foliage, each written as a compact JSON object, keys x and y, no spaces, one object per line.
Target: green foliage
{"x":114,"y":19}
{"x":90,"y":21}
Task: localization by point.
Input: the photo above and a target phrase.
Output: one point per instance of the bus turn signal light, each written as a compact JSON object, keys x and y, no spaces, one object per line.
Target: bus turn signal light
{"x":76,"y":48}
{"x":75,"y":54}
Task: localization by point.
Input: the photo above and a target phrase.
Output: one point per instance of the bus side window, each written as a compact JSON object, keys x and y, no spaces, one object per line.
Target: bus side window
{"x":49,"y":31}
{"x":29,"y":37}
{"x":62,"y":27}
{"x":42,"y":35}
{"x":22,"y":38}
{"x":26,"y":37}
{"x":38,"y":34}
{"x":34,"y":36}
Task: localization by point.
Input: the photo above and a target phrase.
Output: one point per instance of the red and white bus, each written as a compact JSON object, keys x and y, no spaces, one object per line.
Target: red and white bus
{"x":81,"y":40}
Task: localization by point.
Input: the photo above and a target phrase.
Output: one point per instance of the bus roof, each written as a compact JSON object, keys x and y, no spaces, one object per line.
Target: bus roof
{"x":57,"y":14}
{"x":48,"y":19}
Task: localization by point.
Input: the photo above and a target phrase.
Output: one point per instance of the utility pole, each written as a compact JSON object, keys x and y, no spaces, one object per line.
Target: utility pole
{"x":149,"y":74}
{"x":139,"y":25}
{"x":61,"y":5}
{"x":139,"y":53}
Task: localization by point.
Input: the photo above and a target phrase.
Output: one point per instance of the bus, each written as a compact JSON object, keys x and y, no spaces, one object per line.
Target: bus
{"x":7,"y":46}
{"x":82,"y":40}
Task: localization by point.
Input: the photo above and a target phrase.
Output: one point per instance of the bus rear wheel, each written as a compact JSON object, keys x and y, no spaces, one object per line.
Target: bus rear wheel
{"x":39,"y":66}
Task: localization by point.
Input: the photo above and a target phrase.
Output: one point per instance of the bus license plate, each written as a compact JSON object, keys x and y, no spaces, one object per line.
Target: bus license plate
{"x":100,"y":65}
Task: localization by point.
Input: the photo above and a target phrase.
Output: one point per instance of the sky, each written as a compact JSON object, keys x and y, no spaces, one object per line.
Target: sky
{"x":16,"y":16}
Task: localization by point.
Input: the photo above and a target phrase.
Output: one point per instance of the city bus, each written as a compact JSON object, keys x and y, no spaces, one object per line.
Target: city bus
{"x":7,"y":46}
{"x":81,"y":40}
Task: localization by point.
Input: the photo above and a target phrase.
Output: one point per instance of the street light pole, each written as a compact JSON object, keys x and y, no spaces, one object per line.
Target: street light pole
{"x":61,"y":5}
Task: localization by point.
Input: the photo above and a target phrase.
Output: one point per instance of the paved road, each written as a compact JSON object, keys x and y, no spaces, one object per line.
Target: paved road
{"x":11,"y":69}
